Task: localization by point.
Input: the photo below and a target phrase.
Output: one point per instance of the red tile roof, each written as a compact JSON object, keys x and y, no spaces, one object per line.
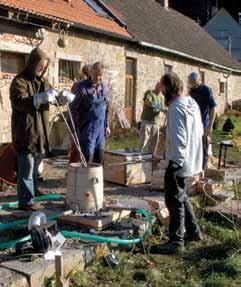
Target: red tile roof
{"x":77,"y":11}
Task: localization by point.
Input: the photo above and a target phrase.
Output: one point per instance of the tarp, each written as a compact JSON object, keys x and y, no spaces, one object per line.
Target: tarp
{"x":8,"y":165}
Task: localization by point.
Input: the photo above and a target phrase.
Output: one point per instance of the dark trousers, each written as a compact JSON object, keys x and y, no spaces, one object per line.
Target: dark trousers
{"x":95,"y":156}
{"x":180,"y":209}
{"x":205,"y":152}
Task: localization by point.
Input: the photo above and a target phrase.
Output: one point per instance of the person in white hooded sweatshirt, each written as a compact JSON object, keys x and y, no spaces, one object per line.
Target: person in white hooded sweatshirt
{"x":184,"y":154}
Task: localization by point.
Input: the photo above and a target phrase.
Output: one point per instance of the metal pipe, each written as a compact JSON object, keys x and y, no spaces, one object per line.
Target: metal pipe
{"x":73,"y":135}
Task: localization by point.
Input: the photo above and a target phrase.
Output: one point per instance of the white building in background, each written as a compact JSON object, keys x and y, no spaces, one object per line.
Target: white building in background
{"x":227,"y":31}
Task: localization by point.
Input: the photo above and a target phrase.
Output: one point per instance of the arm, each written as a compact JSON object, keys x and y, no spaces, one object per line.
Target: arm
{"x":177,"y":129}
{"x":212,"y":113}
{"x":212,"y":118}
{"x":75,"y":104}
{"x":19,"y":96}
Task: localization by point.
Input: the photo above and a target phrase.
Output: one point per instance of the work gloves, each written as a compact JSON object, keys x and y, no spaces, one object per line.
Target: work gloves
{"x":52,"y":97}
{"x":45,"y":98}
{"x":65,"y":97}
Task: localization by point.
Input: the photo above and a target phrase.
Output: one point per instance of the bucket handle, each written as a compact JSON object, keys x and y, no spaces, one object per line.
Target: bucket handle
{"x":94,"y":180}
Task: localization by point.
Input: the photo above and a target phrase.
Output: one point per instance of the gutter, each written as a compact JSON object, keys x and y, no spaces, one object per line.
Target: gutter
{"x":33,"y":13}
{"x":184,"y":55}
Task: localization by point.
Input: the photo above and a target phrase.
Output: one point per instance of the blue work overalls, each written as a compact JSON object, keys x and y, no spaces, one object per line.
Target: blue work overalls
{"x":93,"y":118}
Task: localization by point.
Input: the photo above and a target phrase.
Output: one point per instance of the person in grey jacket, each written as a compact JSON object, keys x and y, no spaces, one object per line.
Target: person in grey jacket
{"x":184,"y":154}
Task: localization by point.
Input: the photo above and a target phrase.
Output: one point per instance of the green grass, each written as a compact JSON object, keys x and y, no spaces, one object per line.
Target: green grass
{"x":233,"y":154}
{"x":215,"y":262}
{"x":123,"y":142}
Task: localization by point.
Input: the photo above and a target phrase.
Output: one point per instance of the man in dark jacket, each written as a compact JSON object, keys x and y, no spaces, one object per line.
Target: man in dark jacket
{"x":30,"y":95}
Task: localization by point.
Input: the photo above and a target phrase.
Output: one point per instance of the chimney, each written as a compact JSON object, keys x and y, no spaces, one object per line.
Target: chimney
{"x":165,"y":3}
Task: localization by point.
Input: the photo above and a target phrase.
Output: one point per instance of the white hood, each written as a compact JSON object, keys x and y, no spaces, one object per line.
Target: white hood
{"x":184,"y":136}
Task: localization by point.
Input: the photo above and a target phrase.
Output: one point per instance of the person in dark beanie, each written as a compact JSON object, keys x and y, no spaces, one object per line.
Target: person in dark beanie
{"x":203,"y":95}
{"x":30,"y":95}
{"x":184,"y":156}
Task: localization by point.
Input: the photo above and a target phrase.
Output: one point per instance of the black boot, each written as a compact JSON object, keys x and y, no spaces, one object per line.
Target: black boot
{"x":167,"y":248}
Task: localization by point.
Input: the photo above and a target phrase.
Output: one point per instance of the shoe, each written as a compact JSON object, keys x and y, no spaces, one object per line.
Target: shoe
{"x":193,"y":238}
{"x":27,"y":207}
{"x":168,"y":248}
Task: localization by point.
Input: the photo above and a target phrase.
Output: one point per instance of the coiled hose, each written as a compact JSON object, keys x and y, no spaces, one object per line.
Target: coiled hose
{"x":88,"y":237}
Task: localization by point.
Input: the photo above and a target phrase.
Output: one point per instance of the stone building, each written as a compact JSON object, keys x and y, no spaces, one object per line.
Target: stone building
{"x":137,"y":41}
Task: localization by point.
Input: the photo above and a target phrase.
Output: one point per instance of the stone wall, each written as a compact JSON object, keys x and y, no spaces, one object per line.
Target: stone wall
{"x":87,"y":49}
{"x":150,"y":67}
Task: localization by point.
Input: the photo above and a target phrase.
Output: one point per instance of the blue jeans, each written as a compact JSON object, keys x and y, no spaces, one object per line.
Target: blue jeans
{"x":28,"y":164}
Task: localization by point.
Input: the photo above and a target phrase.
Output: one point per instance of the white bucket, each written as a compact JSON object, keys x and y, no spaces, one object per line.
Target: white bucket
{"x":85,"y":188}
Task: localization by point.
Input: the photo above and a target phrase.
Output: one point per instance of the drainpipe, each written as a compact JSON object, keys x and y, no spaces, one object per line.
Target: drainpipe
{"x":226,"y":76}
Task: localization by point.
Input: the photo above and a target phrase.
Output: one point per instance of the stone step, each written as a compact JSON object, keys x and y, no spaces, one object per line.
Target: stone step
{"x":23,"y":273}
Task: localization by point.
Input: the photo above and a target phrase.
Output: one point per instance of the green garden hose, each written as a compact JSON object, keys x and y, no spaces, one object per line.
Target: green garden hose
{"x":12,"y":243}
{"x":18,"y":224}
{"x":91,"y":237}
{"x":54,"y":196}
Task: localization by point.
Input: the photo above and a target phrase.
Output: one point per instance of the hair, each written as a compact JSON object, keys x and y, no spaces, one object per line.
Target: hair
{"x":85,"y":72}
{"x":174,"y":85}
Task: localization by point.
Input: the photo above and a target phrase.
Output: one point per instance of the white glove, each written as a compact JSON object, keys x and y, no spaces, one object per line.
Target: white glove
{"x":65,"y":97}
{"x":45,"y":97}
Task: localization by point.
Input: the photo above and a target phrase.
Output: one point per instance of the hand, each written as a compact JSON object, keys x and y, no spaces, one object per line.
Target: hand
{"x":45,"y":97}
{"x":51,"y":96}
{"x":65,"y":97}
{"x":207,"y":132}
{"x":107,"y":132}
{"x":171,"y":170}
{"x":156,"y":106}
{"x":173,"y":166}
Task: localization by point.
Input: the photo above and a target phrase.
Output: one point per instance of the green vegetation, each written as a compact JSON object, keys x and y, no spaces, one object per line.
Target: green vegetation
{"x":233,"y":154}
{"x":123,"y":142}
{"x":215,"y":262}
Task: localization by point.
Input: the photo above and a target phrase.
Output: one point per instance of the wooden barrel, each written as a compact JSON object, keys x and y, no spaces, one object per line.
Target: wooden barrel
{"x":85,"y":188}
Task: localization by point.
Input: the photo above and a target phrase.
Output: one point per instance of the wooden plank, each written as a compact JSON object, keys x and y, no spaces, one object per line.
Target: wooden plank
{"x":138,"y":173}
{"x":95,"y":221}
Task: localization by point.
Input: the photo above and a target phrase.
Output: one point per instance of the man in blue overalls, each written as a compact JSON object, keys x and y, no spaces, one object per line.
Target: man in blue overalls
{"x":90,"y":113}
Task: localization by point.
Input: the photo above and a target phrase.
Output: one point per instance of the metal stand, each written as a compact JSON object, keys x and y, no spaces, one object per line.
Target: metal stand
{"x":225,"y":145}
